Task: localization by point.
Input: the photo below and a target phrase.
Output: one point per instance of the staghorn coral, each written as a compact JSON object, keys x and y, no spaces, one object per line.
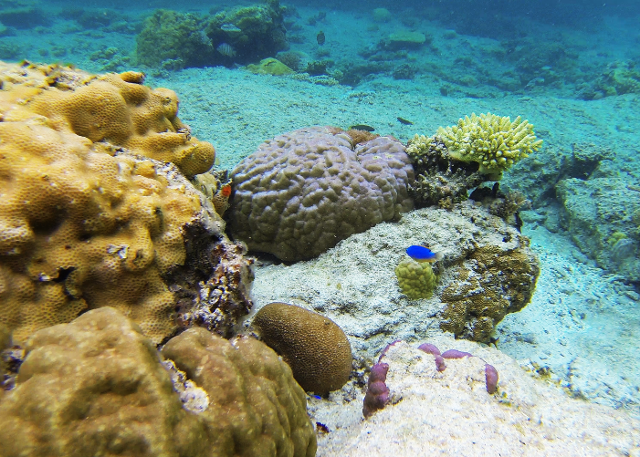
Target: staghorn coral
{"x":316,"y":349}
{"x":416,"y":280}
{"x":97,"y":386}
{"x":492,"y":282}
{"x":494,"y":142}
{"x":302,"y":192}
{"x":83,"y":222}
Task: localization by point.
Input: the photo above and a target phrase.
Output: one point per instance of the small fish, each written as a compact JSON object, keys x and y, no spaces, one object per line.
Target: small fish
{"x":320,"y":37}
{"x":404,"y":121}
{"x":228,"y":27}
{"x":423,"y":254}
{"x":226,"y":50}
{"x":366,"y":128}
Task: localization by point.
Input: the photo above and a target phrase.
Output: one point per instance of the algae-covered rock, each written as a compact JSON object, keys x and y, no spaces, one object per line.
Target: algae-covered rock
{"x":242,"y":34}
{"x":270,"y":66}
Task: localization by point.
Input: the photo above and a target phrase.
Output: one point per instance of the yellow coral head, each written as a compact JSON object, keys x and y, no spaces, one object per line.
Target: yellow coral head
{"x":494,"y":142}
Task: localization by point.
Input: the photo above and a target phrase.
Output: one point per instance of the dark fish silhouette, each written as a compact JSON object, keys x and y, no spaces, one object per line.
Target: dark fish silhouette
{"x":365,"y":127}
{"x":320,"y":37}
{"x":404,"y":121}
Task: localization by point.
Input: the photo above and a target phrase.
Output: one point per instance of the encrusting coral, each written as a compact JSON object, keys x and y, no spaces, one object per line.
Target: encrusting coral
{"x":314,"y":346}
{"x":97,"y":386}
{"x":491,"y":283}
{"x":87,"y":222}
{"x":304,"y":191}
{"x":494,"y":142}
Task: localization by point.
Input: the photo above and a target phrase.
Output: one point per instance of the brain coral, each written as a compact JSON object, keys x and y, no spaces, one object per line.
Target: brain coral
{"x":83,"y":223}
{"x":97,"y":387}
{"x":314,"y":346}
{"x":302,"y":192}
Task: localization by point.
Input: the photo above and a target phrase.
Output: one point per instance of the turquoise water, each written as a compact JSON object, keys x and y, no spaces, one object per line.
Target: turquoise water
{"x":571,"y":68}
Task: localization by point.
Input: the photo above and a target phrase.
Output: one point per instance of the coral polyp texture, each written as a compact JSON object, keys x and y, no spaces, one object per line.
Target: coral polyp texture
{"x":97,"y":386}
{"x":86,"y":222}
{"x":116,"y":110}
{"x":302,"y":192}
{"x":493,"y":281}
{"x":416,"y":280}
{"x":494,"y":142}
{"x":314,"y":346}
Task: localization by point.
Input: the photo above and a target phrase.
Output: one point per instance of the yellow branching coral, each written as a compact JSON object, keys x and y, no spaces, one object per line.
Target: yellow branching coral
{"x":492,"y":141}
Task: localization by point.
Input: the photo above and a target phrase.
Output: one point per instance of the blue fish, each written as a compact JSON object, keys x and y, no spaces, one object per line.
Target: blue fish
{"x":423,"y":254}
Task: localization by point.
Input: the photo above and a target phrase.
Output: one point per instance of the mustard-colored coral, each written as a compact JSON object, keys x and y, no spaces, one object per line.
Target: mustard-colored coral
{"x":416,"y":280}
{"x":494,"y":142}
{"x":114,"y":109}
{"x":83,"y":224}
{"x":97,"y":387}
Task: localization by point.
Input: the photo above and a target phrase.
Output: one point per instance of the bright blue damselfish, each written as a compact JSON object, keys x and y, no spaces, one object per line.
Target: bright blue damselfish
{"x":422,"y":254}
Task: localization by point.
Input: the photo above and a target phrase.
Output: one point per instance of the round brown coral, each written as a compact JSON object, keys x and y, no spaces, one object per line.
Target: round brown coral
{"x":314,"y":346}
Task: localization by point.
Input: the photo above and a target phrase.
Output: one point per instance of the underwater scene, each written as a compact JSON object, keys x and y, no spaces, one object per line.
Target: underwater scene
{"x":299,"y":228}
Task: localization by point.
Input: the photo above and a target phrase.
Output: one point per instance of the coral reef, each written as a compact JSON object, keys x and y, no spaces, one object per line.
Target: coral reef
{"x":440,"y":180}
{"x":416,"y":280}
{"x":302,"y":192}
{"x":493,"y":281}
{"x":117,"y":111}
{"x":243,"y":34}
{"x":86,"y":222}
{"x":314,"y":346}
{"x":256,"y":408}
{"x":174,"y":40}
{"x":97,"y":386}
{"x":619,"y":78}
{"x":450,"y":411}
{"x":214,"y":292}
{"x":494,"y":142}
{"x":255,"y":31}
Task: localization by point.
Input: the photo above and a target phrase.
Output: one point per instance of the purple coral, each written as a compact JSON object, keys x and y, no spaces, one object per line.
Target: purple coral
{"x":490,"y":373}
{"x":377,"y":391}
{"x":302,"y":192}
{"x":491,"y":377}
{"x":455,"y":354}
{"x":433,"y":349}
